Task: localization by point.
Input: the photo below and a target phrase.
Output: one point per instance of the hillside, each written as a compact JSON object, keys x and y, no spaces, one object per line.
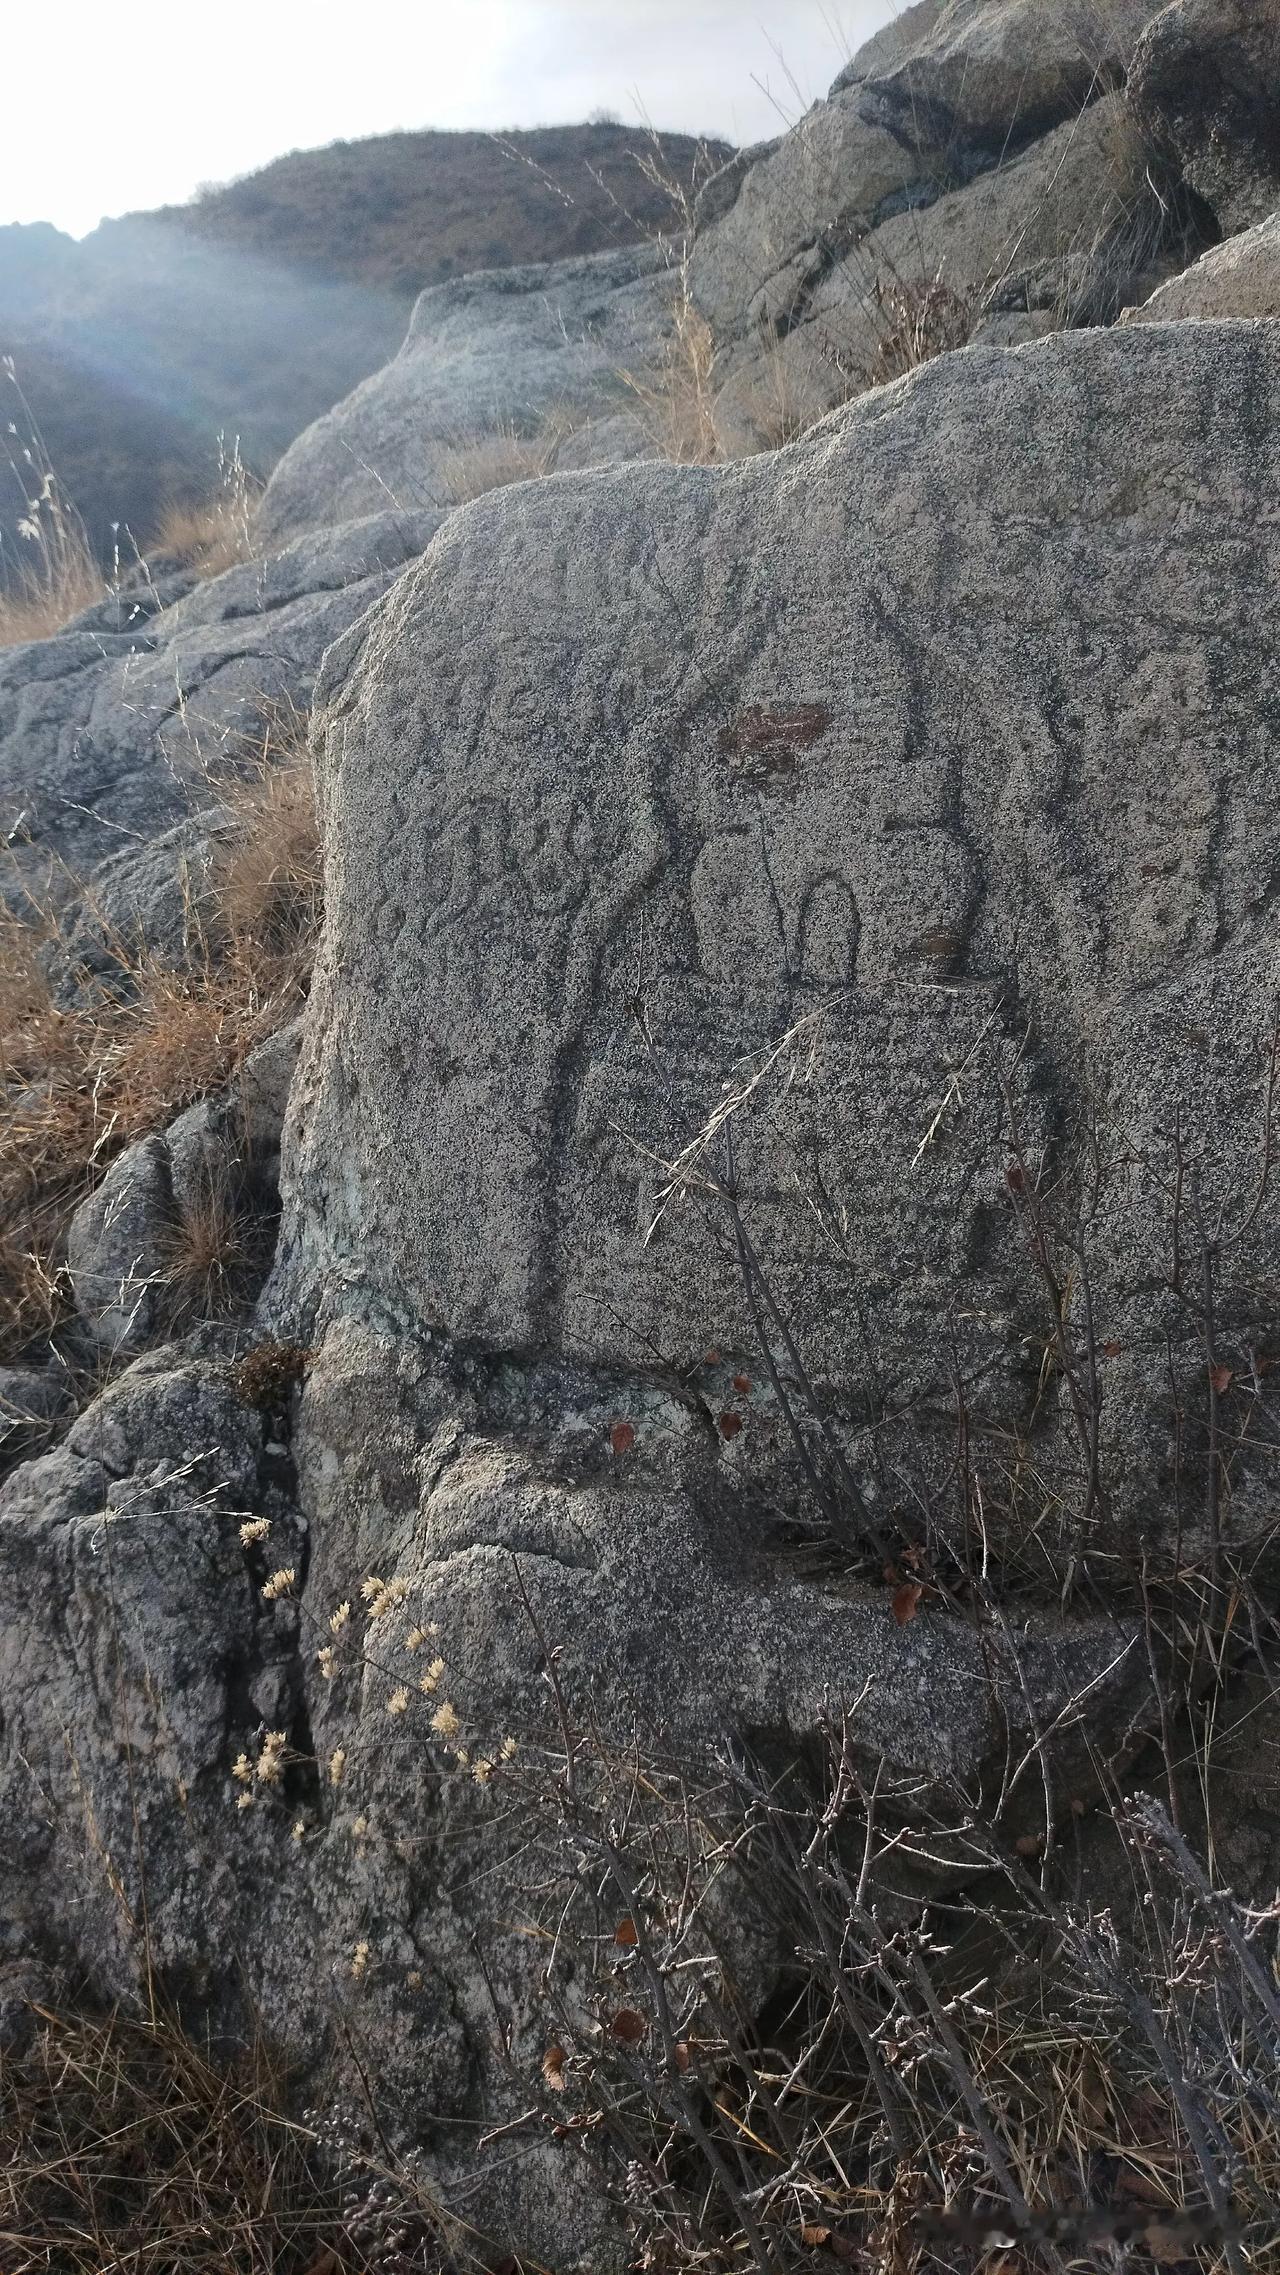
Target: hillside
{"x":258,"y":306}
{"x":400,"y":211}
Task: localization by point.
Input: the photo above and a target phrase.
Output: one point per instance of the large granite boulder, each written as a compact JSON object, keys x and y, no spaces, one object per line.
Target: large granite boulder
{"x":503,"y":352}
{"x":109,"y":732}
{"x":994,"y":72}
{"x":890,"y":812}
{"x":1205,"y":83}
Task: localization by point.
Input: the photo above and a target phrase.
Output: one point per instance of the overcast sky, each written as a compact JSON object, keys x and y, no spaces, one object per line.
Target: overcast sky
{"x":118,"y":108}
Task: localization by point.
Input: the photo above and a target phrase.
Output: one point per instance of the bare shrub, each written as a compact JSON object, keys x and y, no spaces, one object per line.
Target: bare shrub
{"x":995,"y":2080}
{"x":52,"y":575}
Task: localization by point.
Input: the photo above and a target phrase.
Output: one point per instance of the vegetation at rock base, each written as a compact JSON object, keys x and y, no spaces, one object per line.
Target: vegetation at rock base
{"x":79,"y":1079}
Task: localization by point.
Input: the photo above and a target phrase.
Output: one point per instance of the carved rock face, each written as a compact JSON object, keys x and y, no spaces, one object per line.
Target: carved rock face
{"x":941,"y":744}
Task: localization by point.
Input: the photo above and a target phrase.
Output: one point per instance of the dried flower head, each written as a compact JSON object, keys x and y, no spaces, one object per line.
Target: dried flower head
{"x":271,"y":1759}
{"x":508,"y":1750}
{"x":299,"y":1830}
{"x":337,"y":1764}
{"x":445,"y":1721}
{"x":431,"y":1680}
{"x":398,"y":1701}
{"x":244,"y":1801}
{"x":360,"y":1827}
{"x":481,"y":1769}
{"x":324,"y":1660}
{"x":338,"y":1619}
{"x":256,"y":1529}
{"x":360,"y":1960}
{"x":279,"y":1584}
{"x":413,"y":1980}
{"x":242,"y":1768}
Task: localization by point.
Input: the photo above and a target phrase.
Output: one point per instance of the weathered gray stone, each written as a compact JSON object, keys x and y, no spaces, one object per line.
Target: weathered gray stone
{"x":107,"y":739}
{"x":216,"y":1168}
{"x":704,"y":782}
{"x":1065,"y":230}
{"x":1240,"y":279}
{"x":893,"y":43}
{"x":1205,"y":83}
{"x":993,"y":72}
{"x":151,"y":902}
{"x":507,"y":349}
{"x":30,"y":1400}
{"x":829,"y":180}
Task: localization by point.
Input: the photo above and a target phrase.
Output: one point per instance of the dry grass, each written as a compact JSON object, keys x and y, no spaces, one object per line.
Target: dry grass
{"x":76,"y":1085}
{"x":492,"y":462}
{"x":52,"y":575}
{"x":676,"y":395}
{"x":215,"y":533}
{"x":129,"y":2149}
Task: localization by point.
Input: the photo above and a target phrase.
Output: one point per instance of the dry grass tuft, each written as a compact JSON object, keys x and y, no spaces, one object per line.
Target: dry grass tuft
{"x":76,"y":1085}
{"x":676,"y":395}
{"x":492,"y":462}
{"x":127,"y":2147}
{"x":215,"y":533}
{"x":54,"y":574}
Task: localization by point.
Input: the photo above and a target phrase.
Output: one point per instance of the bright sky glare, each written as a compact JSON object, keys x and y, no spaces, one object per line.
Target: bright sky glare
{"x":119,"y":110}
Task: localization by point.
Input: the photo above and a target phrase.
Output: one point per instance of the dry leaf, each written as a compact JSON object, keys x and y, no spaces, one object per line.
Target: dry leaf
{"x":905,"y":1602}
{"x":1112,"y":1349}
{"x":628,"y":2026}
{"x":1030,"y":1844}
{"x":742,"y":1382}
{"x":683,"y":2056}
{"x":812,"y":2238}
{"x":553,"y":2062}
{"x":730,"y":1424}
{"x":626,"y":1934}
{"x":622,"y":1437}
{"x":712,"y":1358}
{"x":1168,"y":2242}
{"x":1221,"y":1378}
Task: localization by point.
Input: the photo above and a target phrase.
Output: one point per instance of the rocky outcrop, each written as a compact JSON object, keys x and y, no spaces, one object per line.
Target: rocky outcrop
{"x":503,"y":352}
{"x":109,"y":733}
{"x":1205,"y":83}
{"x":994,"y":72}
{"x":779,"y":1221}
{"x":184,"y":1222}
{"x":1240,"y":279}
{"x":669,"y":819}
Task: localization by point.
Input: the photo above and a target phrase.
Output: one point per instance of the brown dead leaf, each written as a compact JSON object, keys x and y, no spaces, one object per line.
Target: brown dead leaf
{"x":622,"y":1437}
{"x":553,"y":2062}
{"x":626,"y":1934}
{"x":627,"y":2026}
{"x":742,"y":1382}
{"x":1222,"y":1378}
{"x":683,"y":2056}
{"x":905,"y":1602}
{"x":1168,"y":2242}
{"x":1112,"y":1349}
{"x":813,"y":2238}
{"x":730,"y":1424}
